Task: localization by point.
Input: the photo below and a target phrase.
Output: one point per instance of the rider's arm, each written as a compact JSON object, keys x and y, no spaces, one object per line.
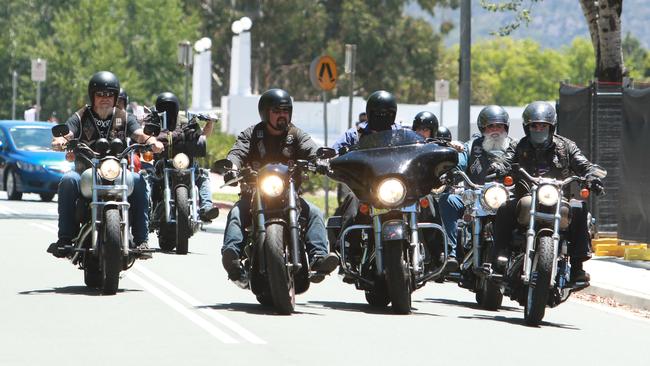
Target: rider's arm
{"x":73,"y":124}
{"x":578,"y":162}
{"x":239,"y":152}
{"x":306,"y":146}
{"x":207,"y":129}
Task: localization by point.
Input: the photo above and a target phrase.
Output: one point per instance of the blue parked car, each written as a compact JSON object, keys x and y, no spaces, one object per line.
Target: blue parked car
{"x":27,"y":162}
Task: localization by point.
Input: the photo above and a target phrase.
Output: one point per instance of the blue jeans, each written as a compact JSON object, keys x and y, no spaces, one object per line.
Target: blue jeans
{"x":239,"y":218}
{"x":451,"y":210}
{"x":70,"y":190}
{"x":205,"y":195}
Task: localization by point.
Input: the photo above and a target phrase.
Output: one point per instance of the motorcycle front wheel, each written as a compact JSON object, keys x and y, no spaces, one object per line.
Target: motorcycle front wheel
{"x":182,"y":220}
{"x":280,"y":280}
{"x":398,"y":278}
{"x":111,"y":255}
{"x":538,"y":290}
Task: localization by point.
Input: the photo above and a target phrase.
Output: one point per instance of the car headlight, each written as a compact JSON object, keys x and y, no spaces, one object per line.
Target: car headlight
{"x":272,"y":185}
{"x":495,"y":196}
{"x":181,"y":161}
{"x":391,"y":191}
{"x":548,"y":195}
{"x":109,"y":169}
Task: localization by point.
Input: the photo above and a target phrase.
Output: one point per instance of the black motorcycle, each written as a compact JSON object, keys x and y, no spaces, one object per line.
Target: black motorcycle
{"x":538,"y":271}
{"x":274,"y":257}
{"x":102,"y":247}
{"x":382,"y":252}
{"x":175,"y":196}
{"x":476,"y":237}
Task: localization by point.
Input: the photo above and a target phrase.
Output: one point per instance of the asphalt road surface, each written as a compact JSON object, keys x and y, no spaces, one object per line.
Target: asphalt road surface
{"x":181,"y":310}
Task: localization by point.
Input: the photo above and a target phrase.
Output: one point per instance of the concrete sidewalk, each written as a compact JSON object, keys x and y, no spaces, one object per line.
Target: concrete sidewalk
{"x":627,"y":282}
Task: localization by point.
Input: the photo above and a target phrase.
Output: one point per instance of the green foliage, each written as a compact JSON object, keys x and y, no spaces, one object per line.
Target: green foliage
{"x":580,"y":60}
{"x":218,"y":146}
{"x":521,"y":9}
{"x":636,"y":58}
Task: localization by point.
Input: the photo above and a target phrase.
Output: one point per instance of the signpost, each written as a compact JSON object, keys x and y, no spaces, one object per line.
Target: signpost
{"x":39,"y":72}
{"x":441,"y":94}
{"x":350,"y":61}
{"x":322,"y":73}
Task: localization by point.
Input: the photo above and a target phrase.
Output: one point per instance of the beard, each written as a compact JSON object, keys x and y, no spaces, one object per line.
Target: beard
{"x":495,"y":141}
{"x":103,"y":112}
{"x":281,"y":124}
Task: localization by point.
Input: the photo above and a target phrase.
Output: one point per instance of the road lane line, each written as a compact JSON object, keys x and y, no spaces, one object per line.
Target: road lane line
{"x":212,"y":313}
{"x":207,"y":326}
{"x":9,"y":211}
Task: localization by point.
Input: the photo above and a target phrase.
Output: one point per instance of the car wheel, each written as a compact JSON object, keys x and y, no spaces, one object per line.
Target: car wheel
{"x":10,"y":186}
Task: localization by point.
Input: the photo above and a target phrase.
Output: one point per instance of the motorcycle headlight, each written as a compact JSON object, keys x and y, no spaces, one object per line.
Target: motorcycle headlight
{"x":548,"y":195}
{"x":272,"y":185}
{"x":391,"y":191}
{"x":110,"y":169}
{"x":181,"y":161}
{"x":468,"y":197}
{"x":495,"y":196}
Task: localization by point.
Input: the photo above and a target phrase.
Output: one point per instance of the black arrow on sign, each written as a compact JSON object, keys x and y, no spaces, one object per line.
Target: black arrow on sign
{"x":322,"y":71}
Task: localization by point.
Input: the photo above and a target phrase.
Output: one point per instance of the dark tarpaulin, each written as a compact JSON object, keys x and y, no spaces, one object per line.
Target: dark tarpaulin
{"x":574,"y":115}
{"x":634,"y":195}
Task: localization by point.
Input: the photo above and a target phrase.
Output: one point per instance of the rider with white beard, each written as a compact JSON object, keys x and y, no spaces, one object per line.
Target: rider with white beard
{"x":490,"y":153}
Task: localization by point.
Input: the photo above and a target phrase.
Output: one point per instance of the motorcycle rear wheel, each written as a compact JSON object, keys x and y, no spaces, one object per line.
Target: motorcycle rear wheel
{"x":538,"y":293}
{"x":182,"y":220}
{"x":281,"y":281}
{"x":397,"y":278}
{"x":111,"y":254}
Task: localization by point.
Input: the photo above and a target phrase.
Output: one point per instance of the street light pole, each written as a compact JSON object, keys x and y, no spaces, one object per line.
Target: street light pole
{"x":14,"y":79}
{"x":465,"y":69}
{"x":185,"y":60}
{"x":350,"y":55}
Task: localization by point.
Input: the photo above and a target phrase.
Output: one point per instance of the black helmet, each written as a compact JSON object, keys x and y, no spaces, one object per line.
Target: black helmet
{"x":427,"y":120}
{"x":443,"y":133}
{"x":492,"y":114}
{"x":125,"y":97}
{"x":274,"y":98}
{"x":539,"y":112}
{"x":168,"y":102}
{"x":103,"y":81}
{"x":381,"y":109}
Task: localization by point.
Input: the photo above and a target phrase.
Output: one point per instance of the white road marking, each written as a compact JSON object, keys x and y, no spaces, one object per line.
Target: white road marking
{"x":212,"y":313}
{"x":6,"y":210}
{"x":207,"y":326}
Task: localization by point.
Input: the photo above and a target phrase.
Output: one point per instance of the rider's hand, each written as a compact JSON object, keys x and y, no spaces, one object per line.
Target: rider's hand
{"x":322,"y":169}
{"x":596,"y":185}
{"x":58,"y":143}
{"x":457,"y":146}
{"x":157,"y":147}
{"x":497,"y":169}
{"x":230,"y":175}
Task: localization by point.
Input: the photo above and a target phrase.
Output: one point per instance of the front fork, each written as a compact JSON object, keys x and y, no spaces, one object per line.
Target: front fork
{"x":294,"y":229}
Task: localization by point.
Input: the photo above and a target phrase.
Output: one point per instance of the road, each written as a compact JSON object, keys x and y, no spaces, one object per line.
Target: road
{"x":181,"y":310}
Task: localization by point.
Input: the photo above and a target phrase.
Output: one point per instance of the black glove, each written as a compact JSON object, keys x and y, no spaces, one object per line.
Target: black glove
{"x":322,"y":169}
{"x":230,"y":175}
{"x":596,"y":185}
{"x":497,"y":169}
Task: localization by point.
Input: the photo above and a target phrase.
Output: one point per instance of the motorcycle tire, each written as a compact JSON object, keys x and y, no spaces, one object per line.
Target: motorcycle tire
{"x":538,"y":292}
{"x":183,"y":229}
{"x":378,"y":297}
{"x":280,"y":280}
{"x":264,"y":299}
{"x":92,"y":272}
{"x":166,"y":236}
{"x":397,"y":278}
{"x":111,"y":253}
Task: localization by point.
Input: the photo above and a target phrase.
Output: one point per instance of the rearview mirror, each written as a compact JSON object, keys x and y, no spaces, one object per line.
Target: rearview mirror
{"x":325,"y":152}
{"x":60,"y":130}
{"x":222,"y":166}
{"x":151,"y":129}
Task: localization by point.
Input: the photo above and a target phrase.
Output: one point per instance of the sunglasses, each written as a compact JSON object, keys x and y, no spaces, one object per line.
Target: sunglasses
{"x":104,"y":94}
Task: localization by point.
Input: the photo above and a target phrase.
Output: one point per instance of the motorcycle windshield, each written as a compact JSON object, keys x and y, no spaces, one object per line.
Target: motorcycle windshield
{"x":390,"y":138}
{"x":402,"y":154}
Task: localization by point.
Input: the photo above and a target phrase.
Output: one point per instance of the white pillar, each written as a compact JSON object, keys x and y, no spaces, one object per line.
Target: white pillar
{"x":202,"y":82}
{"x":234,"y":66}
{"x":244,"y":70}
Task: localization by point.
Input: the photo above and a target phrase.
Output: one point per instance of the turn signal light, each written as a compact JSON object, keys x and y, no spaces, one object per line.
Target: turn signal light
{"x":584,"y":193}
{"x":508,"y":181}
{"x":147,"y":156}
{"x":364,"y":208}
{"x":424,"y":202}
{"x":69,"y":156}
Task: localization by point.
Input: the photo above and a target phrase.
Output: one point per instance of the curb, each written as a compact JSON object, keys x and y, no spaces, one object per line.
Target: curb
{"x":621,"y":296}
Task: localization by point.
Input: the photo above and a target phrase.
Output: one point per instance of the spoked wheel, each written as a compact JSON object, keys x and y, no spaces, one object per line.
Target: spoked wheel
{"x":182,"y":220}
{"x":538,"y":288}
{"x":111,"y":255}
{"x":398,"y":278}
{"x":281,"y":281}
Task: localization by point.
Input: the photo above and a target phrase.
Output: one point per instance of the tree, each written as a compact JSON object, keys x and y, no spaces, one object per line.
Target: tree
{"x":603,"y":20}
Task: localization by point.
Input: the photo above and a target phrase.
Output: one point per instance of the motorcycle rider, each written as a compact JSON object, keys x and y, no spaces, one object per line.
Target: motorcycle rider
{"x":122,"y":99}
{"x":543,"y":153}
{"x":189,"y":140}
{"x":425,"y":124}
{"x":274,"y":139}
{"x":488,"y":154}
{"x":101,"y":119}
{"x":444,"y":134}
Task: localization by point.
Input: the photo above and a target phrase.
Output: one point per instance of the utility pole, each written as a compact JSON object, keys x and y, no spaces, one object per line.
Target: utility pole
{"x":465,"y":82}
{"x":350,"y":60}
{"x":14,"y":80}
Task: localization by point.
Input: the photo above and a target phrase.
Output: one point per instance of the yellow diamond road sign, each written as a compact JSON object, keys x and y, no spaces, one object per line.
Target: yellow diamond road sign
{"x":322,"y":72}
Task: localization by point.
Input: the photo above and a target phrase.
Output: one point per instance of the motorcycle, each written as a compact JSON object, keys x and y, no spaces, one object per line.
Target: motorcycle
{"x":274,"y":259}
{"x":392,"y":174}
{"x":537,"y":274}
{"x":476,"y":237}
{"x":101,"y":247}
{"x":175,"y":203}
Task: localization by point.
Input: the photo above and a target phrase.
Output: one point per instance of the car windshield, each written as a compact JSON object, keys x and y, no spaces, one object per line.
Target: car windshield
{"x":32,"y":138}
{"x":389,"y":138}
